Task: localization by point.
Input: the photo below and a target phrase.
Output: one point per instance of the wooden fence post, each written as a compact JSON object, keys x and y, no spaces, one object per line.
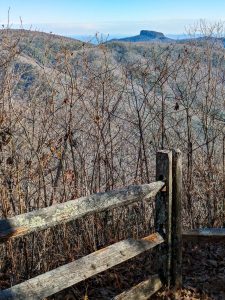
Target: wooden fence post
{"x":176,"y":265}
{"x":163,"y":212}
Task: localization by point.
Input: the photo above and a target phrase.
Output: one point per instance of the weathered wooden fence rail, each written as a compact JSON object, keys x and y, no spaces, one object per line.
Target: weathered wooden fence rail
{"x":65,"y":276}
{"x":64,"y":212}
{"x":167,"y":190}
{"x":204,"y":233}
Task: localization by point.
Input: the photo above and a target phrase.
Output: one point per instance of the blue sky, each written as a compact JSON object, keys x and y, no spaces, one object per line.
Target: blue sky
{"x":110,"y":16}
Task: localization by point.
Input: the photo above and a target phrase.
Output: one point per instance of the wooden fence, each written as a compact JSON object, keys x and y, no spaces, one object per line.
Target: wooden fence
{"x":168,"y":236}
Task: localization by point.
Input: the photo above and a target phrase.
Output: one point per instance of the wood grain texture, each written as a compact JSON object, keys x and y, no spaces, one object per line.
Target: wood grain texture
{"x":143,"y":290}
{"x":74,"y":209}
{"x":63,"y":277}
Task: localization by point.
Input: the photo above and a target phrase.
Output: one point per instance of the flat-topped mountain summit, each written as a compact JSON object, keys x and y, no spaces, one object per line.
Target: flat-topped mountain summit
{"x":146,"y":36}
{"x":152,"y":34}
